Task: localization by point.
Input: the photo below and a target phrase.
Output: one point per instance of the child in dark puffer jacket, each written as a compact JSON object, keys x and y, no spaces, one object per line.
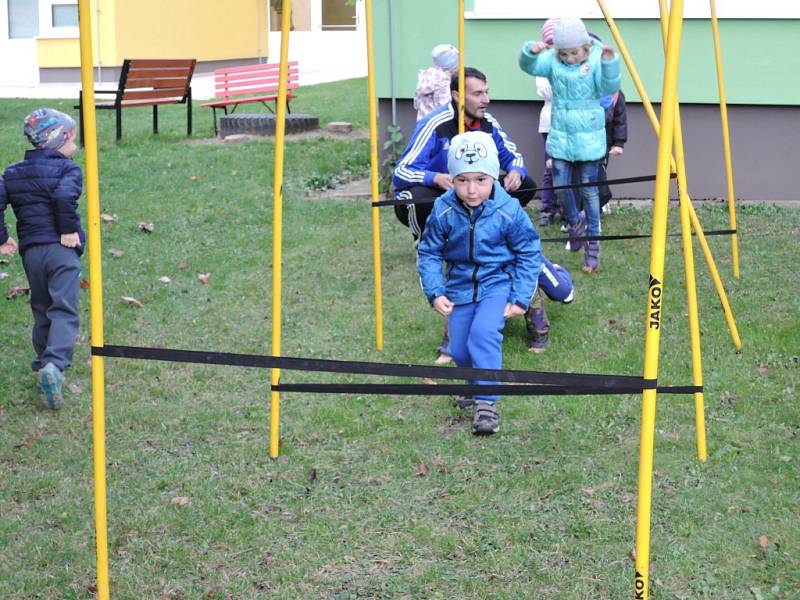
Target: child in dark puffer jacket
{"x":43,"y":190}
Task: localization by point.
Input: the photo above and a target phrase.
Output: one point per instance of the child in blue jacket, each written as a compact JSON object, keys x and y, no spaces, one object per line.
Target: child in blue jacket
{"x":493,"y":258}
{"x":580,"y":70}
{"x":43,"y":190}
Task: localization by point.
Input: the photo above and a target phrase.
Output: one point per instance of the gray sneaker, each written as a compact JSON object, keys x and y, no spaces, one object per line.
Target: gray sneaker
{"x":49,"y":381}
{"x":486,"y":421}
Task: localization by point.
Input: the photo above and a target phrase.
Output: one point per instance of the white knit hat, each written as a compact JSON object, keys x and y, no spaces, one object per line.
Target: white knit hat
{"x":445,"y":56}
{"x":473,"y":152}
{"x":569,"y":33}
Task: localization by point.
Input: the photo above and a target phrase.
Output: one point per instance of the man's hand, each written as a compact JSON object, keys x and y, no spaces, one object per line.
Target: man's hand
{"x":608,"y":53}
{"x":537,"y":47}
{"x":513,"y":310}
{"x":442,"y":305}
{"x":615,"y":151}
{"x":443,"y":181}
{"x":70,"y":240}
{"x":9,"y":247}
{"x":512,"y":181}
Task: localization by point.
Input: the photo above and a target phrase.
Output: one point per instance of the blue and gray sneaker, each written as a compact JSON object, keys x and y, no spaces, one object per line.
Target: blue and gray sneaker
{"x":486,"y":421}
{"x":49,"y":381}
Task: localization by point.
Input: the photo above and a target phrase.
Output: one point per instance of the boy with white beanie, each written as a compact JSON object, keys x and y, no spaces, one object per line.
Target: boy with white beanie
{"x":493,"y":256}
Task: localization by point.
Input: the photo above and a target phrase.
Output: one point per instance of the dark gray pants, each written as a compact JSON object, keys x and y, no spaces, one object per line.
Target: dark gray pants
{"x":54,"y":274}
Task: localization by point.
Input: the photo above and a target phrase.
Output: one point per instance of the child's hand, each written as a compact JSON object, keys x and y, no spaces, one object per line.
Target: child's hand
{"x":615,"y":151}
{"x":442,"y":305}
{"x":513,"y":310}
{"x":70,"y":240}
{"x":548,"y":164}
{"x":9,"y":247}
{"x":443,"y":181}
{"x":608,"y":53}
{"x":537,"y":47}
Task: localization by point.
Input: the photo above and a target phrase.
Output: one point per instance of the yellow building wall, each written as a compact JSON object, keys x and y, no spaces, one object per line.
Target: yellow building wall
{"x":65,"y":52}
{"x":202,"y":29}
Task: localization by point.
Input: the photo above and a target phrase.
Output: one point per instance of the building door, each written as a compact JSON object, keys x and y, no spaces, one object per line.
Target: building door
{"x":19,"y":26}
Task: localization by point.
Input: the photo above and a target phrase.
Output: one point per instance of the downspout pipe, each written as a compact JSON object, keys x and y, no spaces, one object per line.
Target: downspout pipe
{"x":393,"y":61}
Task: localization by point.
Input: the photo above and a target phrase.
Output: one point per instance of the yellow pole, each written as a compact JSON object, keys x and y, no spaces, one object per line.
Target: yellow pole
{"x":688,"y":262}
{"x":461,"y":83}
{"x":655,"y":302}
{"x":277,"y":226}
{"x":726,"y":139}
{"x":698,"y":229}
{"x":373,"y":159}
{"x":95,"y":297}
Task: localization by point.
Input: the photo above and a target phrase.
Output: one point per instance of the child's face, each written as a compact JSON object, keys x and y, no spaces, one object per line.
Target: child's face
{"x":473,"y":188}
{"x":69,"y":147}
{"x":573,"y":56}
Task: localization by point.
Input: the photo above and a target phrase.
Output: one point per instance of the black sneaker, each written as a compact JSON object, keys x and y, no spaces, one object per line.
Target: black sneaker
{"x":486,"y":420}
{"x":463,"y":401}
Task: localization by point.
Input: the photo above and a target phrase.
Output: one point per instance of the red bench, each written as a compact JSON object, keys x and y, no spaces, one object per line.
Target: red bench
{"x":252,"y":83}
{"x":149,"y":82}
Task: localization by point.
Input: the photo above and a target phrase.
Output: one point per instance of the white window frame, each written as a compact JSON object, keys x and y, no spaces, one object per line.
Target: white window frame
{"x":46,"y":28}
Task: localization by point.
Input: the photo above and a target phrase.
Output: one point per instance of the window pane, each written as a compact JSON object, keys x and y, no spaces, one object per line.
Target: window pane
{"x":65,"y":15}
{"x":23,"y":18}
{"x":301,"y":15}
{"x":337,"y":14}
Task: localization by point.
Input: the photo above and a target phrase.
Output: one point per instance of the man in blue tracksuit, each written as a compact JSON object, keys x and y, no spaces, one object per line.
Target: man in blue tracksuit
{"x":493,"y":257}
{"x":421,"y":172}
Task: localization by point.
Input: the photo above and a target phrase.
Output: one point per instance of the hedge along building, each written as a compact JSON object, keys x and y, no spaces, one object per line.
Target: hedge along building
{"x":758,"y":42}
{"x":39,"y":42}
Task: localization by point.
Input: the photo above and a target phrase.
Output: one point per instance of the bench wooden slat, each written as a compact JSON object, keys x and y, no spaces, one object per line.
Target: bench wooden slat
{"x":165,"y":82}
{"x":247,"y":100}
{"x":159,"y":63}
{"x":254,"y":67}
{"x":174,"y":93}
{"x":245,"y":77}
{"x":253,"y":86}
{"x":158,"y":73}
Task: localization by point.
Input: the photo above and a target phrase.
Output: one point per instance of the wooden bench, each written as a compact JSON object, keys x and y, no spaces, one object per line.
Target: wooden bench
{"x":252,"y":83}
{"x":149,"y":82}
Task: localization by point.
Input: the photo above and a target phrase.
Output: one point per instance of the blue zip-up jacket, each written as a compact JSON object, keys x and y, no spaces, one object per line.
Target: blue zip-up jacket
{"x":578,"y":125}
{"x":493,"y":250}
{"x":43,"y":190}
{"x":426,"y":153}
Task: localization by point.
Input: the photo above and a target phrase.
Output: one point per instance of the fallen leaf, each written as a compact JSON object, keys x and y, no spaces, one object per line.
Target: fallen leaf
{"x":428,"y":381}
{"x":79,"y":339}
{"x":422,"y":471}
{"x":17,"y":291}
{"x":762,"y":369}
{"x":108,"y":218}
{"x":312,"y":476}
{"x":84,"y":284}
{"x":233,"y":172}
{"x":180,"y":500}
{"x":146,"y":227}
{"x":763,"y":542}
{"x":632,"y":555}
{"x":115,"y":253}
{"x":3,"y":274}
{"x":786,"y":458}
{"x":92,"y":588}
{"x":588,"y":491}
{"x":132,"y":301}
{"x":204,"y":277}
{"x":74,"y":388}
{"x":195,"y":177}
{"x":26,"y":444}
{"x":165,"y":279}
{"x":183,"y":265}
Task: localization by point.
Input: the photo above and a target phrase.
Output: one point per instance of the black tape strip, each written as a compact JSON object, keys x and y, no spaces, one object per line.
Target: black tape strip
{"x":421,"y":389}
{"x":608,"y":182}
{"x":369,"y":368}
{"x":633,"y":236}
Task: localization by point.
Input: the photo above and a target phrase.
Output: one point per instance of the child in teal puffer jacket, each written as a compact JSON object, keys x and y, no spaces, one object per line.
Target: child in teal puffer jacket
{"x":493,"y":258}
{"x":580,"y":71}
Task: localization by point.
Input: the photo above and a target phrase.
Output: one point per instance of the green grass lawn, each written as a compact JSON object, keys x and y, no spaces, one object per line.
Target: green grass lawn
{"x":545,"y":509}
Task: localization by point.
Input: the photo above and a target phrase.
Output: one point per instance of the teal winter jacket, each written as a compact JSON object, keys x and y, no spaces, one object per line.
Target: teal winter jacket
{"x":577,"y":130}
{"x":492,"y":250}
